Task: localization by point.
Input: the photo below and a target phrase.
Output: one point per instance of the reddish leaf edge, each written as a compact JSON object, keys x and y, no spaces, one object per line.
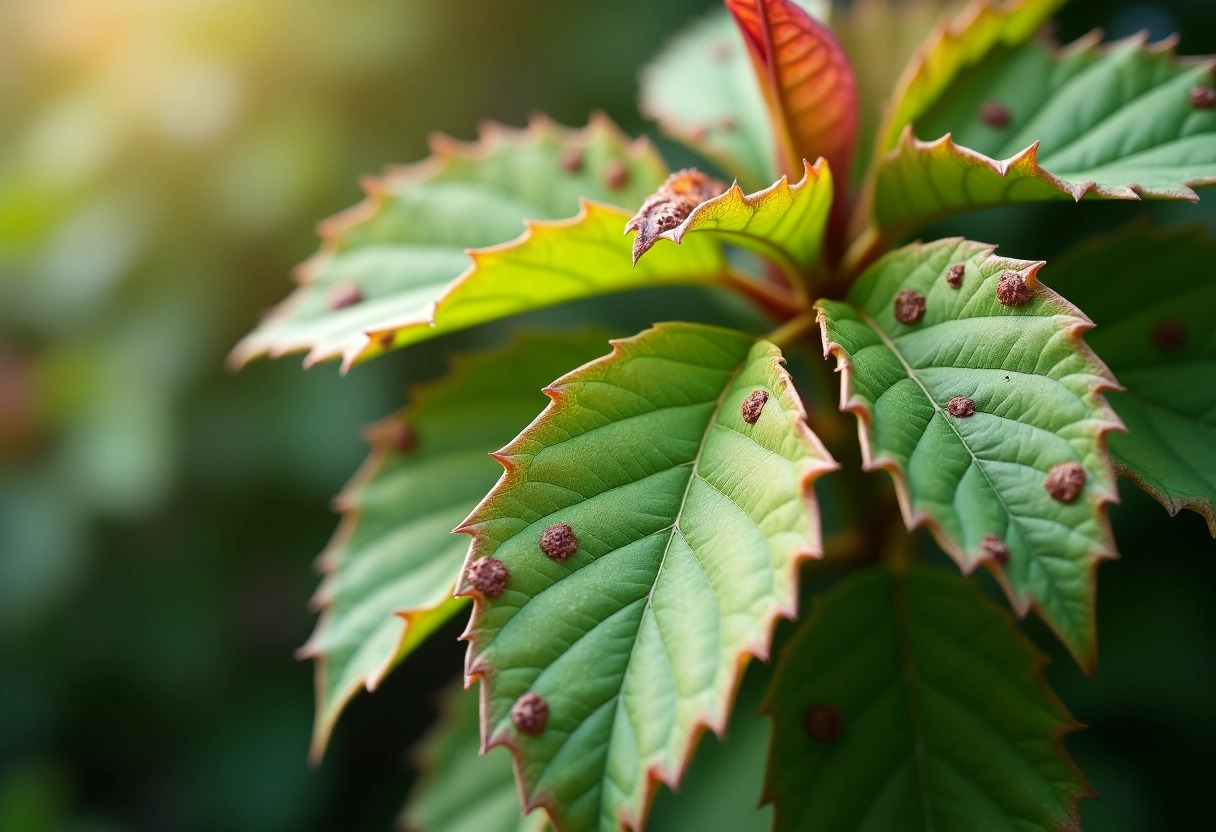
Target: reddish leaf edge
{"x":1144,"y":227}
{"x":379,"y":436}
{"x":1026,"y":161}
{"x":444,"y":149}
{"x":811,"y":174}
{"x":718,"y":723}
{"x":1107,"y":494}
{"x":1038,"y":658}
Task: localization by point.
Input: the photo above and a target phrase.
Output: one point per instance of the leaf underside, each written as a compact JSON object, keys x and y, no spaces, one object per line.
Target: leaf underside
{"x":1037,"y":397}
{"x":947,"y":723}
{"x":1151,"y":295}
{"x":690,"y":525}
{"x":384,"y":263}
{"x":392,"y":566}
{"x":1106,"y":122}
{"x":807,"y":82}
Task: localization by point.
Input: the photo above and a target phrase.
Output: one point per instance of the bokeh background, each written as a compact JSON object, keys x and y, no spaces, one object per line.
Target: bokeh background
{"x":161,"y":168}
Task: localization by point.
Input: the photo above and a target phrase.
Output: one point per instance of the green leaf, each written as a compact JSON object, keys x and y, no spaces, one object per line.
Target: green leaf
{"x":460,"y":789}
{"x":1036,"y":390}
{"x":951,"y":54}
{"x":385,"y":262}
{"x":945,"y":721}
{"x":392,"y":566}
{"x":702,"y":91}
{"x":783,"y":222}
{"x":690,"y":525}
{"x":1108,"y":122}
{"x":807,"y":81}
{"x":726,"y":779}
{"x":1151,"y":295}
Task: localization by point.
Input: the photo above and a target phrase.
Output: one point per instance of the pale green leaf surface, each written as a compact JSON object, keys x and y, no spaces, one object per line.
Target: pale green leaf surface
{"x":1111,"y":122}
{"x":405,"y":245}
{"x":701,"y":90}
{"x":392,"y":566}
{"x":691,"y":524}
{"x":1038,"y":399}
{"x":1131,"y":283}
{"x":783,"y":222}
{"x":948,"y":725}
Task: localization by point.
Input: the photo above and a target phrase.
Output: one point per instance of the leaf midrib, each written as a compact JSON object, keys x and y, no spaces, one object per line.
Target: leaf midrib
{"x":1013,"y":518}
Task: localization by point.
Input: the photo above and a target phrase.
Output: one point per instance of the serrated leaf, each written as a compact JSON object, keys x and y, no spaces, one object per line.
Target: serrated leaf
{"x":461,"y":790}
{"x":946,"y":722}
{"x":952,"y":51}
{"x":783,"y":222}
{"x":690,"y":525}
{"x":807,"y":82}
{"x":387,"y":260}
{"x":1036,"y":389}
{"x":1151,"y":295}
{"x":393,"y":563}
{"x":1109,"y":122}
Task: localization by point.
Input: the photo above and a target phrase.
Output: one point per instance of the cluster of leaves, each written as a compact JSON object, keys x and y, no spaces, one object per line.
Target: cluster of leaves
{"x":652,"y":521}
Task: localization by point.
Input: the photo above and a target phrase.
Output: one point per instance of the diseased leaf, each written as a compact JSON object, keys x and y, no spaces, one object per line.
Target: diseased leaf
{"x":908,"y":701}
{"x":951,"y":53}
{"x":1027,"y":125}
{"x":393,"y":563}
{"x":460,"y":789}
{"x":600,"y":669}
{"x":807,"y":82}
{"x":388,"y":259}
{"x":670,"y":206}
{"x":784,"y":222}
{"x":971,"y":406}
{"x":1151,"y":295}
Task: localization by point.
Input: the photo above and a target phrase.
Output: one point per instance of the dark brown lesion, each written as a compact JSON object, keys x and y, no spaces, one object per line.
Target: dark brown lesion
{"x":669,"y":206}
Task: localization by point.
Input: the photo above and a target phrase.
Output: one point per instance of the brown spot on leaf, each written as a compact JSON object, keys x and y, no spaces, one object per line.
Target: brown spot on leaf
{"x":823,"y":722}
{"x":728,"y":124}
{"x":1065,"y":481}
{"x":698,"y":133}
{"x":1203,"y":98}
{"x":1012,"y":290}
{"x":995,"y":548}
{"x":616,"y":175}
{"x":753,"y":406}
{"x":558,"y":541}
{"x":530,"y":713}
{"x":669,"y":206}
{"x":909,"y":306}
{"x":1170,"y":335}
{"x":961,"y":406}
{"x":572,"y":160}
{"x":488,"y":576}
{"x":995,"y":114}
{"x":954,"y":275}
{"x":387,"y":340}
{"x":402,"y":438}
{"x":342,"y":295}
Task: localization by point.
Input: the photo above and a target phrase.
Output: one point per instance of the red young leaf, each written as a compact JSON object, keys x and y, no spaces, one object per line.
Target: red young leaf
{"x":807,"y":80}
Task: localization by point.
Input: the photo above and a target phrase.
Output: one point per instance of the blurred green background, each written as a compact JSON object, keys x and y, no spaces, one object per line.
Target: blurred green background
{"x":161,"y":168}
